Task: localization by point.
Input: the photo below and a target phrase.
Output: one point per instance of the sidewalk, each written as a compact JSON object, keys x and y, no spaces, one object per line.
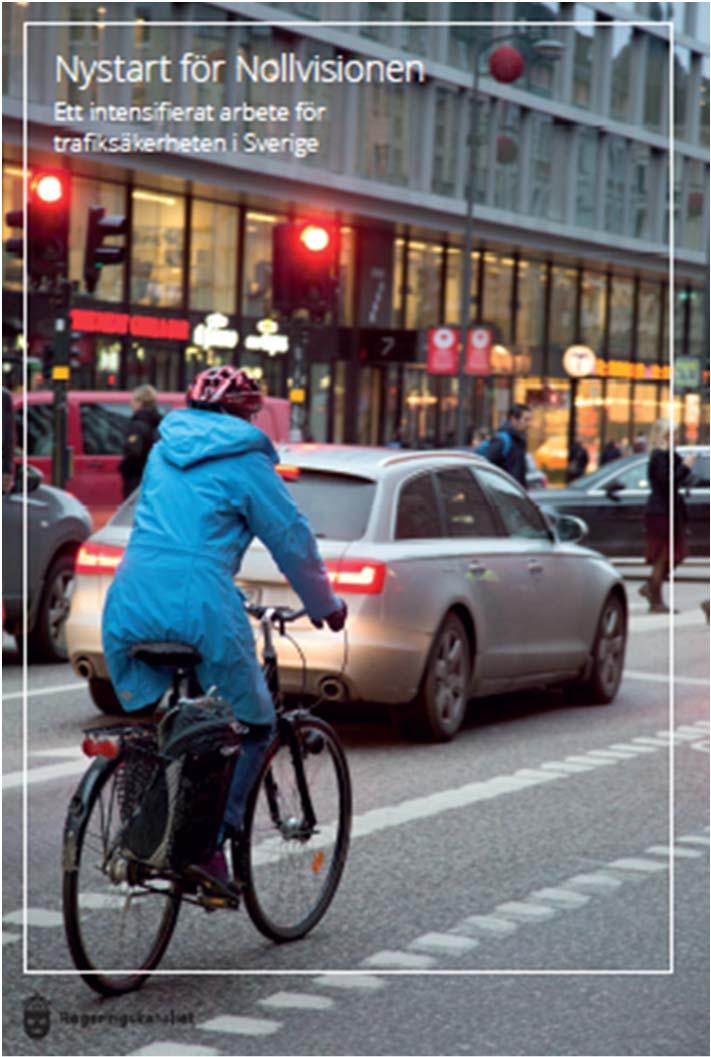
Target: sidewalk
{"x":692,"y":571}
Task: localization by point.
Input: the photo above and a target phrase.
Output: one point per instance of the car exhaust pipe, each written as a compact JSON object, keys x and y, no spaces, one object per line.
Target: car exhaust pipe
{"x":84,"y":667}
{"x":333,"y":689}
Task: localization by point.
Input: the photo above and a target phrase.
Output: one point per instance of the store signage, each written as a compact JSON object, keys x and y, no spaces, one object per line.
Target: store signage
{"x":443,"y":350}
{"x":387,"y":346}
{"x":652,"y":372}
{"x":687,"y":372}
{"x":579,"y":361}
{"x":94,"y":321}
{"x":214,"y":333}
{"x":268,"y":339}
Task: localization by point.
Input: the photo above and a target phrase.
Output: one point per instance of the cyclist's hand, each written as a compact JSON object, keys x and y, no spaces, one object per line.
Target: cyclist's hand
{"x":336,"y":620}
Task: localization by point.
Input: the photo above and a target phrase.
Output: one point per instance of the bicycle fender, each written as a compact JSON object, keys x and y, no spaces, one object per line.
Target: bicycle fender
{"x":78,"y":812}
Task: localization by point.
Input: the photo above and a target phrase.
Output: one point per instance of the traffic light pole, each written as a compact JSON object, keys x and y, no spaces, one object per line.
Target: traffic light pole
{"x":60,"y":384}
{"x":298,"y":342}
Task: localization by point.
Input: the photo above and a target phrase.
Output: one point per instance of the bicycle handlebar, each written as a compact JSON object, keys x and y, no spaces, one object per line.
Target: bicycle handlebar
{"x":274,"y":614}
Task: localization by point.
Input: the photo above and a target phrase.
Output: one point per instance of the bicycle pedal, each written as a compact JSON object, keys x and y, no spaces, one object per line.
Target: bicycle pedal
{"x":211,"y":903}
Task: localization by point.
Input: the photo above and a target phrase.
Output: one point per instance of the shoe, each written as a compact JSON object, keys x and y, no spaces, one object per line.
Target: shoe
{"x":213,"y":877}
{"x":705,"y":606}
{"x":661,"y":607}
{"x":644,"y":592}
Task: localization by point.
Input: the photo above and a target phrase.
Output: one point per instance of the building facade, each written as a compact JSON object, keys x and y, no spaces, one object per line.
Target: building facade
{"x":571,"y":208}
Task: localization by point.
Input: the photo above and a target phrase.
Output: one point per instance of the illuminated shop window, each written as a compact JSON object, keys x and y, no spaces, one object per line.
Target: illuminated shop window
{"x":498,"y":279}
{"x":157,"y":247}
{"x":424,"y":272}
{"x":213,"y":257}
{"x":257,"y":292}
{"x":621,"y":317}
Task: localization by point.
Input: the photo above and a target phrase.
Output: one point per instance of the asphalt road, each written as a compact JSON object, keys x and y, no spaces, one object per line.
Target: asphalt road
{"x":538,"y":914}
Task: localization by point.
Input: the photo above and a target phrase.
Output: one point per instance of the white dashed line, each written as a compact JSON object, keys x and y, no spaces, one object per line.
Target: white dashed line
{"x":660,"y":743}
{"x":561,"y":897}
{"x":636,"y":749}
{"x":677,"y":853}
{"x":691,"y":839}
{"x":398,"y":960}
{"x":44,"y":774}
{"x":174,"y":1049}
{"x":344,"y":982}
{"x":37,"y":917}
{"x":486,"y":924}
{"x":591,"y":761}
{"x":638,"y":866}
{"x":601,"y":881}
{"x":567,"y":768}
{"x":241,"y":1025}
{"x":612,"y":754}
{"x":9,"y":937}
{"x":443,"y":943}
{"x":524,"y":911}
{"x":296,"y":1000}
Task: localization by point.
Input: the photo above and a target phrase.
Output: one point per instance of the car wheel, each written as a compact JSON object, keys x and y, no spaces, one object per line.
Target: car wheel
{"x":439,"y":708}
{"x":104,"y":697}
{"x":47,"y":640}
{"x":608,"y":654}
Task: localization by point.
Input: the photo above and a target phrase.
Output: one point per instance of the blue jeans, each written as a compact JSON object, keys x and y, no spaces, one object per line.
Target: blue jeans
{"x":251,"y":753}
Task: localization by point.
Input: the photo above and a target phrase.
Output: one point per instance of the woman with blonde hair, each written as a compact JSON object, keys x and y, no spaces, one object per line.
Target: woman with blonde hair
{"x":667,"y":472}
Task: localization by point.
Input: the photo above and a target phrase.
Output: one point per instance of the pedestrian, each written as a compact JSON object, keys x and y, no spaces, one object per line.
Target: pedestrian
{"x":639,"y":444}
{"x":8,"y":442}
{"x":610,"y":452}
{"x":578,"y":460}
{"x":507,"y":448}
{"x":142,"y":435}
{"x":666,"y":471}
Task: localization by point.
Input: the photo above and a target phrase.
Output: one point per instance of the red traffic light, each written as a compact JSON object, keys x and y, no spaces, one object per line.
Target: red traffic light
{"x":48,"y":187}
{"x":315,"y":238}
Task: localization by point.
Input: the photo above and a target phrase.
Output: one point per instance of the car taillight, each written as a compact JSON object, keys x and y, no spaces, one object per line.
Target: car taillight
{"x":98,"y":558}
{"x":356,"y":576}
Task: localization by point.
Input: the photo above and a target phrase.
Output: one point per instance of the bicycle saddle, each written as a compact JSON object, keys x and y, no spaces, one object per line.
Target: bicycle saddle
{"x":166,"y":654}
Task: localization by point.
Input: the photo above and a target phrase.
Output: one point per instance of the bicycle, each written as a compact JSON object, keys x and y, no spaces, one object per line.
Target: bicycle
{"x":120,"y":914}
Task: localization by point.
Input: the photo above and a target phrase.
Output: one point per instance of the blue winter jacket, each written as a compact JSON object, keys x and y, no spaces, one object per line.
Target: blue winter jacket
{"x":209,"y":487}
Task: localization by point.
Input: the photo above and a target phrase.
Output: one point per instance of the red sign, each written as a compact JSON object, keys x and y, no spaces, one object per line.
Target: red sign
{"x":93,"y":321}
{"x":443,"y":350}
{"x":479,"y":342}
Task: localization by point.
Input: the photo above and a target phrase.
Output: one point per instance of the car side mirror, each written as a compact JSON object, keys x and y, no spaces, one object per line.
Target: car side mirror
{"x":33,"y":476}
{"x":570,"y":529}
{"x":613,"y":487}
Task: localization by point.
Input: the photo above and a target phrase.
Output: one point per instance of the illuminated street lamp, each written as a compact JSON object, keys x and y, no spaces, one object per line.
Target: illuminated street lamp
{"x":506,"y":64}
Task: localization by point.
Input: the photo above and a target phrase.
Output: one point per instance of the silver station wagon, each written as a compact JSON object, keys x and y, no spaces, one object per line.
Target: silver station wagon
{"x":457,"y":587}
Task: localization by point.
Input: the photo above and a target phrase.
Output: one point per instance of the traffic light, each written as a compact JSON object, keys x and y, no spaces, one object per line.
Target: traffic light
{"x":304,"y":267}
{"x":47,"y":226}
{"x":96,"y":255}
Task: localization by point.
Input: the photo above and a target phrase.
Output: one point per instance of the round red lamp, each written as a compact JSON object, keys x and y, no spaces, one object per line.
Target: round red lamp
{"x":506,"y":64}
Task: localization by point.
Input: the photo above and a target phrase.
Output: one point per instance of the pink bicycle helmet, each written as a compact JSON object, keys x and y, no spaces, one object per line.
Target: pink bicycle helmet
{"x":228,"y":388}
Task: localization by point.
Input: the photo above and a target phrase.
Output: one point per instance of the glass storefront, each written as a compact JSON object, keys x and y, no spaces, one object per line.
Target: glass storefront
{"x":157,"y":248}
{"x":213,"y":257}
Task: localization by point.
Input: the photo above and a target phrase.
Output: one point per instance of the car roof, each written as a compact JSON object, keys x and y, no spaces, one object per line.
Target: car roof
{"x":365,"y":461}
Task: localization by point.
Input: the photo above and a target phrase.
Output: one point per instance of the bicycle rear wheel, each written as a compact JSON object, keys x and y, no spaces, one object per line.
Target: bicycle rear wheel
{"x":117,"y":930}
{"x":290,"y":868}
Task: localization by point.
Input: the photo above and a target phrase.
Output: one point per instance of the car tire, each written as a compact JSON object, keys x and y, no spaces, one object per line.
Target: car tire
{"x":438,"y":711}
{"x":607,"y":655}
{"x":47,"y":640}
{"x":104,"y":697}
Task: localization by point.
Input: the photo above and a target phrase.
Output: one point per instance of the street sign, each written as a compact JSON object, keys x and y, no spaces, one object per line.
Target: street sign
{"x":687,"y":372}
{"x":376,"y":345}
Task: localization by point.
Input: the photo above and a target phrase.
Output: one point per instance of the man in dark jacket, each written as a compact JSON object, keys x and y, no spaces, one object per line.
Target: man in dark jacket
{"x":578,"y":459}
{"x":510,"y":452}
{"x":141,"y":436}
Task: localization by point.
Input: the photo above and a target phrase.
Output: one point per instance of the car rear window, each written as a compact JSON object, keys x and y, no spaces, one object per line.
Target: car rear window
{"x":336,"y":505}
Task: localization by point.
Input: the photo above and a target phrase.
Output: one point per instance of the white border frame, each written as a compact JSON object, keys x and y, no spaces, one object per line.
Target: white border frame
{"x":671,"y":295}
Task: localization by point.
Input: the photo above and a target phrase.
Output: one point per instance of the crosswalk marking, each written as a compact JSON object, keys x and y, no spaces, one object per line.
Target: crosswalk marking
{"x":295,"y":1000}
{"x":232,"y":1025}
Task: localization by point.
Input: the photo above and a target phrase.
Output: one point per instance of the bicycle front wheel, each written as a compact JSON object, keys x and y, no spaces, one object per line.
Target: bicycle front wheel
{"x":290,"y":859}
{"x":118,"y":919}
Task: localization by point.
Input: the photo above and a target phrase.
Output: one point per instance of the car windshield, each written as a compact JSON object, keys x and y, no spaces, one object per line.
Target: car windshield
{"x":336,"y":505}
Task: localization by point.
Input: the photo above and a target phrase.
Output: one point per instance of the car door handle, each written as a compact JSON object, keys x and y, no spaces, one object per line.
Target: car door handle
{"x":476,"y":569}
{"x":534,"y":566}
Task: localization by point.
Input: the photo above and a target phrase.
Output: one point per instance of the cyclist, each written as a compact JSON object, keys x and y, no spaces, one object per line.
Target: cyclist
{"x":209,"y":487}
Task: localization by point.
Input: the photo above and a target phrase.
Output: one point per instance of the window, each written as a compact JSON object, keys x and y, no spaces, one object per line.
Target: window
{"x":562,"y":322}
{"x":621,"y":317}
{"x":257,"y":294}
{"x":104,"y":427}
{"x":549,"y":143}
{"x":615,"y":183}
{"x":519,"y":515}
{"x":209,"y":41}
{"x":157,"y":248}
{"x":700,"y":472}
{"x":447,"y":139}
{"x":336,"y":505}
{"x":40,"y":428}
{"x":531,"y":310}
{"x":150,"y":41}
{"x":682,"y":75}
{"x":498,"y":280}
{"x":583,"y":57}
{"x":463,"y":38}
{"x":704,"y":109}
{"x":697,"y":180}
{"x":507,"y":162}
{"x":633,"y":478}
{"x":586,"y":184}
{"x":424,"y":273}
{"x":12,"y":200}
{"x":650,"y":303}
{"x":640,"y":190}
{"x":418,"y":514}
{"x":592,"y":310}
{"x":623,"y":43}
{"x":388,"y":133}
{"x":213,"y":257}
{"x":466,"y":512}
{"x":655,"y":83}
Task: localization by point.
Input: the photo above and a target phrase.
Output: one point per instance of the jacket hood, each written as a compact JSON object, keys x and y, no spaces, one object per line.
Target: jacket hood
{"x":190,"y":436}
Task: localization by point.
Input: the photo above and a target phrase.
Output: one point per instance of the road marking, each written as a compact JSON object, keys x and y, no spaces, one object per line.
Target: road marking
{"x":521,"y":911}
{"x":568,"y":768}
{"x":488,"y":924}
{"x":231,"y":1025}
{"x":661,"y":743}
{"x":638,"y":866}
{"x":174,"y":1049}
{"x":677,"y":853}
{"x":599,"y":880}
{"x":443,"y":943}
{"x":73,"y":752}
{"x":9,"y":937}
{"x":362,"y":982}
{"x":656,"y":677}
{"x":35,"y":775}
{"x":65,"y":688}
{"x":612,"y":754}
{"x":37,"y":917}
{"x":398,"y":960}
{"x":637,"y":749}
{"x":595,"y":761}
{"x":693,"y":840}
{"x":562,"y":898}
{"x":296,"y":1000}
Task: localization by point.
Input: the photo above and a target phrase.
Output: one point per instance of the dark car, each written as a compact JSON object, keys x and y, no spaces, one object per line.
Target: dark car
{"x":611,"y":501}
{"x":57,"y":525}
